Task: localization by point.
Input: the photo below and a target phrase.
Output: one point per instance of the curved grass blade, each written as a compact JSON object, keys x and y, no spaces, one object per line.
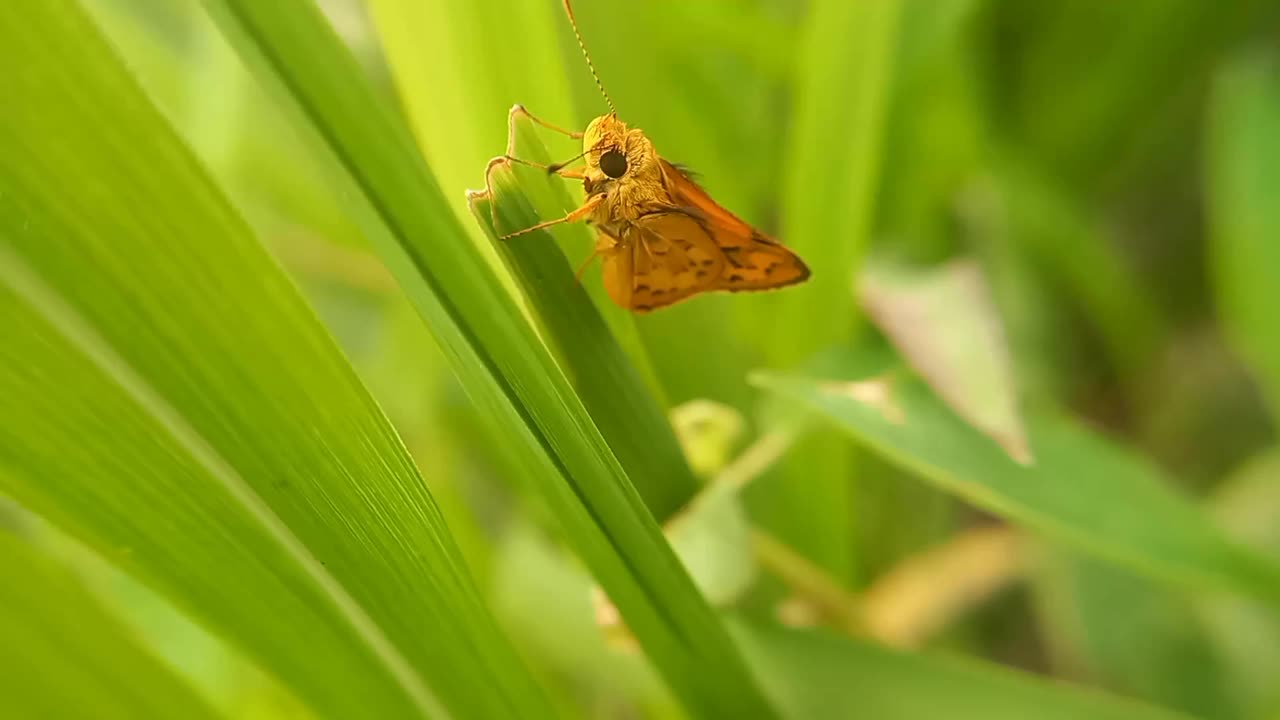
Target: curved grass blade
{"x":172,"y":402}
{"x":499,"y":358}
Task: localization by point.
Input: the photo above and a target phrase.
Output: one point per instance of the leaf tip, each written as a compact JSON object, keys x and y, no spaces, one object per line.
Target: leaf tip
{"x":876,"y":393}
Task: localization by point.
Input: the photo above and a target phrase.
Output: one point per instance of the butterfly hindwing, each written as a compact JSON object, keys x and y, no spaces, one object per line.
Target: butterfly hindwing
{"x":673,"y":257}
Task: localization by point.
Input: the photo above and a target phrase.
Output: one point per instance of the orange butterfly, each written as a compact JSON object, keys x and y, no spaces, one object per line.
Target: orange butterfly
{"x":662,"y":238}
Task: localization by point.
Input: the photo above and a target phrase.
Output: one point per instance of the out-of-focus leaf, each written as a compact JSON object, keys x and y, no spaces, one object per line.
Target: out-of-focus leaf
{"x":1243,"y":186}
{"x":1246,"y":634}
{"x":818,"y":675}
{"x":713,"y":540}
{"x":1082,"y":489}
{"x":842,"y":98}
{"x":66,"y":656}
{"x":1129,"y":634}
{"x":708,"y":432}
{"x":1040,"y":223}
{"x":927,"y":591}
{"x":943,"y":323}
{"x":545,"y":598}
{"x":1094,"y":77}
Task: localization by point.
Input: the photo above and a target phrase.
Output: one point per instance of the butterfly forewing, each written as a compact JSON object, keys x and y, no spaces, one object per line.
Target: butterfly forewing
{"x":751,"y":259}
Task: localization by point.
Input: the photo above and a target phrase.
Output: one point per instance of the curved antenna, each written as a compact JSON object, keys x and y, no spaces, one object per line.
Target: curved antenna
{"x":569,"y":11}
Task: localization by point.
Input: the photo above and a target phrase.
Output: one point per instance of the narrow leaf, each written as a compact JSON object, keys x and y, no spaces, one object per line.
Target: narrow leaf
{"x":819,"y":675}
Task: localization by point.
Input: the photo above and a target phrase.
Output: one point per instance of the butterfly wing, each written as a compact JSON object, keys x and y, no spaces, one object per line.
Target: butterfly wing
{"x":695,"y":246}
{"x":752,"y":260}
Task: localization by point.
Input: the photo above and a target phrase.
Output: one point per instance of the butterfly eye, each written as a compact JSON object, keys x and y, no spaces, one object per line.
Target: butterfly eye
{"x":614,"y":164}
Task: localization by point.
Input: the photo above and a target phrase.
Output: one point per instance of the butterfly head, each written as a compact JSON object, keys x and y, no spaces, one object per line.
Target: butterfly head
{"x":617,"y":156}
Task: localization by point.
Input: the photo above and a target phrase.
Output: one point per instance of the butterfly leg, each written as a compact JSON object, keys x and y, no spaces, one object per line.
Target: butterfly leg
{"x":509,"y":158}
{"x":581,"y":213}
{"x":517,"y":111}
{"x":506,"y":161}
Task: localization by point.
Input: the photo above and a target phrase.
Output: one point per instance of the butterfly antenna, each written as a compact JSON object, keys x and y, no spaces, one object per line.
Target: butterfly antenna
{"x":590,"y":66}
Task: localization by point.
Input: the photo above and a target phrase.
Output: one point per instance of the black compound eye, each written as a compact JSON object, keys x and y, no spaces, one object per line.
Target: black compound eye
{"x":614,"y":164}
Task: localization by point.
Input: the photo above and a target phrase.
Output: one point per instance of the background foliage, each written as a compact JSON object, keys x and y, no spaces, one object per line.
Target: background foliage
{"x":284,"y":433}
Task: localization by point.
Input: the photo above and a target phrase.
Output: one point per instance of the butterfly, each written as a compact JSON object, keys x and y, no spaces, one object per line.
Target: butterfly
{"x":661,"y":237}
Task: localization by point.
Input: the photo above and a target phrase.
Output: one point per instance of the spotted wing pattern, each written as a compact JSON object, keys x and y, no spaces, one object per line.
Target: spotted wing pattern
{"x":753,"y":260}
{"x":664,"y":257}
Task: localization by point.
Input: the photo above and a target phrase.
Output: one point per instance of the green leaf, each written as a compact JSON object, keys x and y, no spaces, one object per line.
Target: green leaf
{"x":177,"y":407}
{"x":96,"y":671}
{"x":819,"y":675}
{"x":1243,"y":157}
{"x":502,"y":363}
{"x":1081,"y":489}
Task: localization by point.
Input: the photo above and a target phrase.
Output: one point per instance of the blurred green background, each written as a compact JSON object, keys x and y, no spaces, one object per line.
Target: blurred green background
{"x":1020,"y":425}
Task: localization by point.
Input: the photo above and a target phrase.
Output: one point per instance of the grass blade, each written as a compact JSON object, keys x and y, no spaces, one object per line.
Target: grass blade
{"x":178,"y":407}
